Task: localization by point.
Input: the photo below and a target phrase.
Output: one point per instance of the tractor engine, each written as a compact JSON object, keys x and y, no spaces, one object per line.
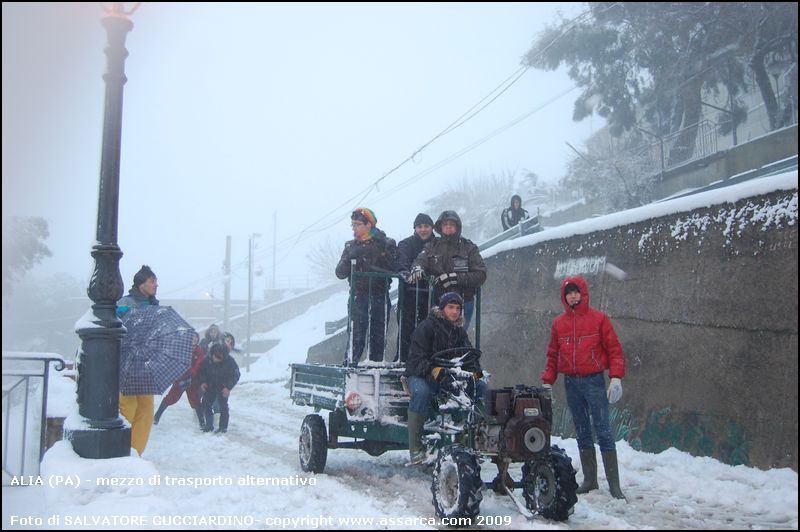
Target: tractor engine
{"x":519,"y":423}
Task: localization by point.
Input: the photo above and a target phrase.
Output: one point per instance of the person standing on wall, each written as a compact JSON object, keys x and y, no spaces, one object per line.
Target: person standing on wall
{"x":514,"y":214}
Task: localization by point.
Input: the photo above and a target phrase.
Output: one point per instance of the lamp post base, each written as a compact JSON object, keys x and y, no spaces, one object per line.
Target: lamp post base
{"x":100,"y":443}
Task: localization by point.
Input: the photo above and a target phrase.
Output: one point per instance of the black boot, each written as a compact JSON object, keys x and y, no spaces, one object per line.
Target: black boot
{"x":589,"y":468}
{"x":200,"y":417}
{"x":416,"y":423}
{"x":161,"y":408}
{"x":612,"y":474}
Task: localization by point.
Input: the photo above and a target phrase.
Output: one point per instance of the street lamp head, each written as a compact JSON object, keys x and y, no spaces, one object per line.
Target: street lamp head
{"x":117,"y":9}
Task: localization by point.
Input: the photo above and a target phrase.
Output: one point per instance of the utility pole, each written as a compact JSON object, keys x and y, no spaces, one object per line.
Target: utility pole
{"x":250,"y":246}
{"x":227,"y":309}
{"x":274,"y":244}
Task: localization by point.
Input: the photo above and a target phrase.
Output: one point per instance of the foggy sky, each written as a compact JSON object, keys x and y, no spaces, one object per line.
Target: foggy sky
{"x":235,"y":112}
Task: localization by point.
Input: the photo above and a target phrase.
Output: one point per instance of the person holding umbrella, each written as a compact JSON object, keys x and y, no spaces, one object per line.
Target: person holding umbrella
{"x":138,"y":409}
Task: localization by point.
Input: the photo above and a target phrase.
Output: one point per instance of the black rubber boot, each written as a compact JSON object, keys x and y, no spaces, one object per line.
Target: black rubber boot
{"x":612,"y":474}
{"x":416,"y":423}
{"x":159,"y":412}
{"x":589,"y":467}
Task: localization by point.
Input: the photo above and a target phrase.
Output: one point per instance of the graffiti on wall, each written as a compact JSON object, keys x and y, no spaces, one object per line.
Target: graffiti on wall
{"x":587,"y":266}
{"x":686,"y":432}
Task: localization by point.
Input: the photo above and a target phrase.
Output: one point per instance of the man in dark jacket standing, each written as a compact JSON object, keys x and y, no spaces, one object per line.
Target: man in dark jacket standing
{"x":583,"y":344}
{"x":415,"y":295}
{"x":369,"y":251}
{"x":218,"y":374}
{"x":442,"y":329}
{"x":514,"y":214}
{"x":454,"y":261}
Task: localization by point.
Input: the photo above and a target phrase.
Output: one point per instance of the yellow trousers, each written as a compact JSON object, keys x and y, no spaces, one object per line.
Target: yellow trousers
{"x":138,"y":410}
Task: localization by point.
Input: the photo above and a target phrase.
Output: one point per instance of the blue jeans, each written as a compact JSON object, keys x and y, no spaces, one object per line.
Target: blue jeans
{"x":424,"y":390}
{"x":469,"y":308}
{"x":585,"y":396}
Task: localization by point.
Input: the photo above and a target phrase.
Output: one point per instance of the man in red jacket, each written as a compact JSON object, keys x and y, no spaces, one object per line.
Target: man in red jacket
{"x":582,"y":346}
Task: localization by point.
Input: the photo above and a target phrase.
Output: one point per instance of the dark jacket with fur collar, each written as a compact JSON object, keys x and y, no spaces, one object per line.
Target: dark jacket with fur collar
{"x":435,"y":334}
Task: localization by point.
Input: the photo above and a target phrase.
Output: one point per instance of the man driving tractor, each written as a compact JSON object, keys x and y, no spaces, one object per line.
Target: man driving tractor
{"x":442,"y":330}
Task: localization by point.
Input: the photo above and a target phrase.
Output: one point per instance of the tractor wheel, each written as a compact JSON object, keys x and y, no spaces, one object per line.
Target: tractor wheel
{"x":457,"y":483}
{"x":549,"y":485}
{"x":313,"y":444}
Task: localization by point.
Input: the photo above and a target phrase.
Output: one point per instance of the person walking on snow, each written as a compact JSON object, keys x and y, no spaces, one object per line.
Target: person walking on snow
{"x":218,"y":374}
{"x":583,"y":344}
{"x":138,"y":409}
{"x":188,"y":383}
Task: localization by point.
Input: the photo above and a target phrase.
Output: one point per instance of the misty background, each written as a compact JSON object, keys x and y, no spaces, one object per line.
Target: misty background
{"x":244,"y":119}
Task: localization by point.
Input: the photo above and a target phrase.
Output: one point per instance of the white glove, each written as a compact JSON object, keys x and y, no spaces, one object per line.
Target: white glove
{"x":614,"y":392}
{"x":415,"y":274}
{"x":548,"y":389}
{"x":446,"y":280}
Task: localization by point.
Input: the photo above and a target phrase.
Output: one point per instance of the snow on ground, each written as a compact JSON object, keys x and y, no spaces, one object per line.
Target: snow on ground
{"x":667,"y":490}
{"x":250,"y":478}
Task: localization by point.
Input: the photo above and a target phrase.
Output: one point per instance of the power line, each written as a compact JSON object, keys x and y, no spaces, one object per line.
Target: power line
{"x":336,"y":215}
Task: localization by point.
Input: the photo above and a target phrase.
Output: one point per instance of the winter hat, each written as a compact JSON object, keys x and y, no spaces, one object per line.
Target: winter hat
{"x":451,"y":297}
{"x":229,"y":335}
{"x":362,"y":214}
{"x":423,"y":218}
{"x":571,"y":287}
{"x":142,"y":275}
{"x":216,"y":348}
{"x":448,"y":215}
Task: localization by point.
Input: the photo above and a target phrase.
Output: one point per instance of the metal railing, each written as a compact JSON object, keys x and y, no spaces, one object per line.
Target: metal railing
{"x":21,"y":371}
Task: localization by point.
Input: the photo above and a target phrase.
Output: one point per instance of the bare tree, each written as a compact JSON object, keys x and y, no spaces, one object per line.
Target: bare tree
{"x":23,"y":247}
{"x":479,"y":202}
{"x":322,"y":260}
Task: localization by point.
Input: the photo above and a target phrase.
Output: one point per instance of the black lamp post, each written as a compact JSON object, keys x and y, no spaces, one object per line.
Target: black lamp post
{"x":101,"y":432}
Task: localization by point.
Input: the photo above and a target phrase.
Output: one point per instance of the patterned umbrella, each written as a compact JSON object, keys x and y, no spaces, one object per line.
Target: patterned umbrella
{"x":156,"y":350}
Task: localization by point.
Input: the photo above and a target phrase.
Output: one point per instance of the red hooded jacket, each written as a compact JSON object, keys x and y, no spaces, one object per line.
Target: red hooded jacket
{"x":582,"y":340}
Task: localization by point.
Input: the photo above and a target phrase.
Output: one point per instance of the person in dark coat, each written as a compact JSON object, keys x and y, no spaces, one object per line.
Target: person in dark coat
{"x":454,"y":261}
{"x":415,"y":295}
{"x":138,"y":409}
{"x":514,"y":214}
{"x":442,"y":329}
{"x":189,"y":383}
{"x":583,"y":345}
{"x":218,"y":374}
{"x":371,"y":251}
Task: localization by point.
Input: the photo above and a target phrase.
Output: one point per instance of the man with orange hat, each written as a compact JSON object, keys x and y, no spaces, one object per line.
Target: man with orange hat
{"x":369,"y":251}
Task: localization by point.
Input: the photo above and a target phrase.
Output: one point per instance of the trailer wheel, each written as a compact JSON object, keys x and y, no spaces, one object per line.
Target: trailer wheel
{"x":549,"y":485}
{"x":457,"y":483}
{"x":313,"y":444}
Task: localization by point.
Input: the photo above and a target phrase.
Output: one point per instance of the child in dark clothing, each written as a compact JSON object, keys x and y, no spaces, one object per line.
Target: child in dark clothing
{"x":218,"y":375}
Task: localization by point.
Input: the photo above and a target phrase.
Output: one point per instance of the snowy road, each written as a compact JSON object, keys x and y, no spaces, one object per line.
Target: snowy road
{"x":670,"y":490}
